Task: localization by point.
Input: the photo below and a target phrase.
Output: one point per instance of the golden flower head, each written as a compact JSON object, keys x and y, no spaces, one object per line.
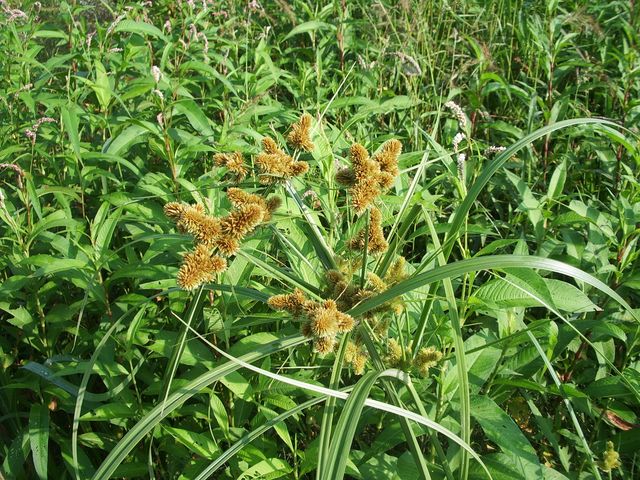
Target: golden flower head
{"x":359,"y":363}
{"x":376,"y":242}
{"x":396,"y":272}
{"x":299,"y":136}
{"x":324,"y":345}
{"x":227,"y":246}
{"x":387,"y":158}
{"x":199,"y":267}
{"x":240,"y":199}
{"x":208,"y":230}
{"x":324,"y":323}
{"x":345,"y":322}
{"x":294,"y":303}
{"x":350,"y":352}
{"x":426,"y":358}
{"x":270,"y":147}
{"x":174,"y":210}
{"x":377,"y":284}
{"x":394,"y":352}
{"x":234,"y":163}
{"x":363,"y":193}
{"x":242,"y":221}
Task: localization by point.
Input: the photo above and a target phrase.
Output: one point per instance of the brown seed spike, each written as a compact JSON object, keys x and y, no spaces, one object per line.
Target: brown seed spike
{"x":270,"y":147}
{"x":324,"y":345}
{"x":227,"y":246}
{"x":242,"y":221}
{"x":324,"y":323}
{"x":174,"y":210}
{"x":234,"y":162}
{"x":199,"y":267}
{"x":299,"y":137}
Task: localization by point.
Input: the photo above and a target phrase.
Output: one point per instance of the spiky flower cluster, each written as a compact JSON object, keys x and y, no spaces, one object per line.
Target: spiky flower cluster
{"x":299,"y":137}
{"x":375,"y":242}
{"x":398,"y":357}
{"x":426,"y":358}
{"x":234,"y":163}
{"x":322,"y":320}
{"x":368,"y":176}
{"x":277,"y":166}
{"x":348,"y":294}
{"x":610,"y":458}
{"x":356,"y":356}
{"x":222,"y":234}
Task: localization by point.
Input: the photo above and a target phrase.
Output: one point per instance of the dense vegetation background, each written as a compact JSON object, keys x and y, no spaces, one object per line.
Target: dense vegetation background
{"x":109,"y":110}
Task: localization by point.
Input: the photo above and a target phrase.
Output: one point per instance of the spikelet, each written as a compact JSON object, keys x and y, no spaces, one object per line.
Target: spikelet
{"x":270,"y":147}
{"x":610,"y":458}
{"x":199,"y":267}
{"x":298,"y":168}
{"x":378,"y":285}
{"x":207,"y":231}
{"x":368,"y":177}
{"x":333,"y":277}
{"x":396,"y":272}
{"x":350,"y":352}
{"x":299,"y":136}
{"x":305,"y":329}
{"x":240,"y":198}
{"x":426,"y":358}
{"x":376,"y":242}
{"x":345,"y":322}
{"x":324,"y":345}
{"x":394,"y":353}
{"x":359,"y":363}
{"x":363,"y":193}
{"x":227,"y":246}
{"x":359,"y":161}
{"x":191,"y":219}
{"x":324,"y":323}
{"x":234,"y":163}
{"x":272,"y":204}
{"x":295,"y":303}
{"x":387,"y":158}
{"x":174,"y":210}
{"x":242,"y":221}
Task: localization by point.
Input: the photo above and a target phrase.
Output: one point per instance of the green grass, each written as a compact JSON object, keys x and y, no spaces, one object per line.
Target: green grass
{"x":522,"y":262}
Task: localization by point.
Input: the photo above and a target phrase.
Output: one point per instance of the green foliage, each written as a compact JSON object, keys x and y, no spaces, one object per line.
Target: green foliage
{"x":517,"y":210}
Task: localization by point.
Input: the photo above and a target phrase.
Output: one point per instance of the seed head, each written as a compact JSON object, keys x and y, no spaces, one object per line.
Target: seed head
{"x":299,"y":136}
{"x":294,"y":303}
{"x":199,"y":267}
{"x":234,"y":163}
{"x":324,"y":345}
{"x":610,"y":458}
{"x":242,"y":221}
{"x":426,"y":358}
